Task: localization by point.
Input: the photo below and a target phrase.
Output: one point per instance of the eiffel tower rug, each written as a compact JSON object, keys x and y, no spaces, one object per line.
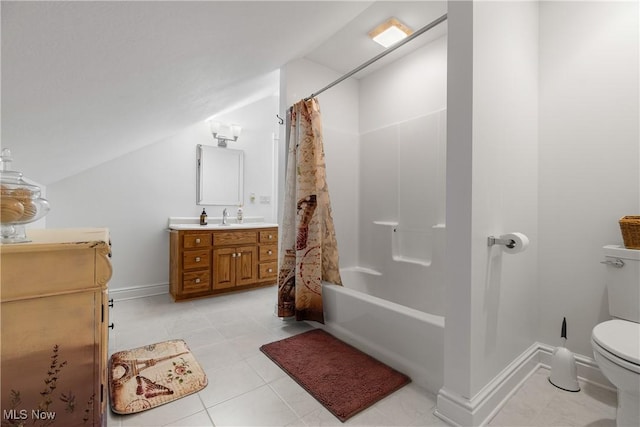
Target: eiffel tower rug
{"x":153,"y":375}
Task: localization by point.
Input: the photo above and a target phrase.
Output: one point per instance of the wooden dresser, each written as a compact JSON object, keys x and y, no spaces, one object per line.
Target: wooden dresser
{"x":205,"y":262}
{"x":54,"y":328}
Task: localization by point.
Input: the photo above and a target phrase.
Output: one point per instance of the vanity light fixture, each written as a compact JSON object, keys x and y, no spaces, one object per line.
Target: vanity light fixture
{"x":390,"y":32}
{"x":224,"y":133}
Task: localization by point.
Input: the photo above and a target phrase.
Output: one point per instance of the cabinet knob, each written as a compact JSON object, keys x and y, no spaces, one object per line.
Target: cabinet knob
{"x":197,"y":240}
{"x":197,"y":259}
{"x":198,"y":280}
{"x":239,"y":254}
{"x":270,"y":236}
{"x":270,"y":270}
{"x":112,"y":326}
{"x":270,"y":252}
{"x":234,"y":255}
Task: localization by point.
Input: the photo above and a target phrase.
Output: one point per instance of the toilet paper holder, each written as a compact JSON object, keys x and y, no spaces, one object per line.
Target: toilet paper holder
{"x":491,"y":240}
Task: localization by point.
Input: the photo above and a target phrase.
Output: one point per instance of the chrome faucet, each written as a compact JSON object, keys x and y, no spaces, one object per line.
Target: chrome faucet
{"x":225,"y":215}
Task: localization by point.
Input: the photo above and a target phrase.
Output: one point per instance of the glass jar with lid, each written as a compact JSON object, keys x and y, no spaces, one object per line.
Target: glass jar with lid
{"x":20,"y":202}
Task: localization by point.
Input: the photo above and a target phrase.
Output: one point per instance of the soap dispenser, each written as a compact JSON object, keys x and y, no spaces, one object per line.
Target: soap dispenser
{"x":239,"y":216}
{"x":203,"y":217}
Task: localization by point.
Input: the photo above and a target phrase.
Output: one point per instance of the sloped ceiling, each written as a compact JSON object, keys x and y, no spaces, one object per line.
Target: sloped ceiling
{"x":86,"y":82}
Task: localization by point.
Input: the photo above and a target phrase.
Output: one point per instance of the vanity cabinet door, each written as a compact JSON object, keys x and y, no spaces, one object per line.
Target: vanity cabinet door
{"x":224,"y":271}
{"x":234,"y":266}
{"x":246,"y":262}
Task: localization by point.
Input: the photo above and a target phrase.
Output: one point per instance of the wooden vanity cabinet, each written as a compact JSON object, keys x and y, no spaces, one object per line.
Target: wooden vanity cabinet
{"x":54,"y":316}
{"x":210,"y":262}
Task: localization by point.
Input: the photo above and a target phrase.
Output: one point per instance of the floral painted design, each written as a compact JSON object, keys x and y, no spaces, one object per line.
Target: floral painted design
{"x":179,"y":372}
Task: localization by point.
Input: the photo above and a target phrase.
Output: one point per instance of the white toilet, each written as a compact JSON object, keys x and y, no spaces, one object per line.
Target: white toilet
{"x":616,"y":342}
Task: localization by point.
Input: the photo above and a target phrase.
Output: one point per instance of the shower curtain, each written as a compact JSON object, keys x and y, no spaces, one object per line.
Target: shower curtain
{"x":309,"y":251}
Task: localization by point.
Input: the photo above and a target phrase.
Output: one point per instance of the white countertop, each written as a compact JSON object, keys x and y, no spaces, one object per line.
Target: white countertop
{"x":215,"y":223}
{"x":217,"y":226}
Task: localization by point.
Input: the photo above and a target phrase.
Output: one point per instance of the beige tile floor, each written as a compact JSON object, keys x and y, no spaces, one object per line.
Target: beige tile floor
{"x":539,"y":403}
{"x":247,"y":389}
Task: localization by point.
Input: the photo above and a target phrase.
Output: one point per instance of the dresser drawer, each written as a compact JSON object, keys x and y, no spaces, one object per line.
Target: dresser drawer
{"x":196,"y":259}
{"x":196,"y":281}
{"x":234,"y":238}
{"x":192,"y":241}
{"x":269,"y":236}
{"x":268,"y":253}
{"x":268,"y":270}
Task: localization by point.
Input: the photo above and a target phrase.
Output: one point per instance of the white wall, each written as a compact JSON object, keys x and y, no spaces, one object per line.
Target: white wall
{"x":135,"y":194}
{"x":544,"y":139}
{"x":505,"y":184}
{"x":492,"y":179}
{"x":339,"y":107}
{"x":589,"y":157}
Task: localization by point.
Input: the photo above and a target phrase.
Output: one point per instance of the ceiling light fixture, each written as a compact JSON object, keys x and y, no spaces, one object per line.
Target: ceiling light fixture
{"x":224,"y":133}
{"x":390,"y":32}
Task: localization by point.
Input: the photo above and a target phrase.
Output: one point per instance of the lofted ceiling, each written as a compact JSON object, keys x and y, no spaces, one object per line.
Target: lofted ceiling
{"x":85,"y":82}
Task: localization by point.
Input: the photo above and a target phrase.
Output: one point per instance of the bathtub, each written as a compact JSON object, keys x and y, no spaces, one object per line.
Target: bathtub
{"x":406,"y":339}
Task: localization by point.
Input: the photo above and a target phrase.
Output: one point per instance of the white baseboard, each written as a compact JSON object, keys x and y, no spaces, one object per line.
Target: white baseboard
{"x":458,"y":410}
{"x":120,"y":294}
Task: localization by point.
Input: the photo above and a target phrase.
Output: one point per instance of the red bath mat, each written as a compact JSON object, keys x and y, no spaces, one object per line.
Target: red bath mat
{"x":153,"y":375}
{"x":341,"y":377}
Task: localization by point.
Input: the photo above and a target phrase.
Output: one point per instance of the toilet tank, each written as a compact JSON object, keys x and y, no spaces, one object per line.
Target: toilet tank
{"x":623,"y":282}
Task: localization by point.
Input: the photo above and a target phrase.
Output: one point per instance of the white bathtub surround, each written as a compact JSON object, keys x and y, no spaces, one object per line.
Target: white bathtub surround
{"x":402,"y":200}
{"x":404,"y":338}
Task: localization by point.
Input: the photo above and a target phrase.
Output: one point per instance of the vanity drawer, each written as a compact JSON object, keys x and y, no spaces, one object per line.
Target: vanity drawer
{"x":192,"y":241}
{"x":268,"y":270}
{"x":197,"y":281}
{"x":196,"y":259}
{"x":234,"y":238}
{"x":268,"y":253}
{"x":269,"y":236}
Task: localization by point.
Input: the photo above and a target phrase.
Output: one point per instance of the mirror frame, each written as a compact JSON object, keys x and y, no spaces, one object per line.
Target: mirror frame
{"x":228,"y":157}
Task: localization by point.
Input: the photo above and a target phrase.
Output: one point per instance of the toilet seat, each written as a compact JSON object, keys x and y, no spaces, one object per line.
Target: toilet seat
{"x":619,"y":341}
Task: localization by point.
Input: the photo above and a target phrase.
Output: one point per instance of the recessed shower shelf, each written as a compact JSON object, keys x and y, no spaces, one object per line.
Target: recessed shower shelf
{"x":387,"y":223}
{"x":399,"y":258}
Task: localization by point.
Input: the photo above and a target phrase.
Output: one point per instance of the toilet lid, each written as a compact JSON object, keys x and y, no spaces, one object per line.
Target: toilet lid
{"x":619,"y":337}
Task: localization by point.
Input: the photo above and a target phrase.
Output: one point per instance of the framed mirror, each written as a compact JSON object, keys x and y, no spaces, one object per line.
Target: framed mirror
{"x":220,"y":176}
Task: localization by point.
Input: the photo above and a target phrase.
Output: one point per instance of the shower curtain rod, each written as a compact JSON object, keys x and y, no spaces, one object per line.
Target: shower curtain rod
{"x":381,"y":55}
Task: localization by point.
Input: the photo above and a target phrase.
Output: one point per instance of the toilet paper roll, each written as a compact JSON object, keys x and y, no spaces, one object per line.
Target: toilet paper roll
{"x":520,"y":242}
